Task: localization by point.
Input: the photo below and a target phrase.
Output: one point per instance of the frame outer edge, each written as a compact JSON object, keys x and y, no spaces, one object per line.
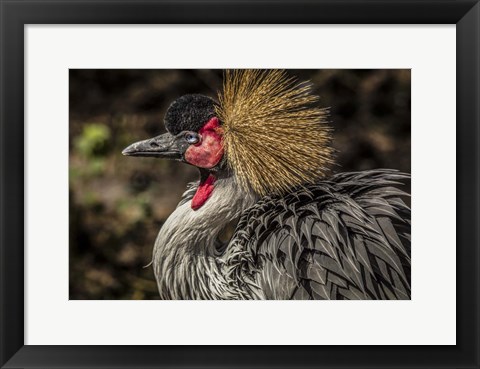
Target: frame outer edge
{"x":241,"y":11}
{"x":468,"y":185}
{"x":11,"y":183}
{"x":11,"y":171}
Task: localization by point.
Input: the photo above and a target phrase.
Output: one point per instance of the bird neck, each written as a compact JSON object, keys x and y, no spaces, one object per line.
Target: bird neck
{"x":186,"y":263}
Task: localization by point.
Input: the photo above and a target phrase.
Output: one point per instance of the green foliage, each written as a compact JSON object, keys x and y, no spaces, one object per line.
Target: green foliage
{"x":92,"y":146}
{"x":93,"y":141}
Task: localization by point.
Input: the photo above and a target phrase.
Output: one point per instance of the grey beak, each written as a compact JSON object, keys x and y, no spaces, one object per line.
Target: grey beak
{"x":163,"y":146}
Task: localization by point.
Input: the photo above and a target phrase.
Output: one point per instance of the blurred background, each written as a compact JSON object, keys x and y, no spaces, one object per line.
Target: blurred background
{"x":118,"y":204}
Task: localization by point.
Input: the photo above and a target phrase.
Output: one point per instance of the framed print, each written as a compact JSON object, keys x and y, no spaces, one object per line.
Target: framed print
{"x":156,"y":155}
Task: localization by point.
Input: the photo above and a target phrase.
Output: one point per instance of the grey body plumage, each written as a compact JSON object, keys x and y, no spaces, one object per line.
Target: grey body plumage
{"x":344,"y":238}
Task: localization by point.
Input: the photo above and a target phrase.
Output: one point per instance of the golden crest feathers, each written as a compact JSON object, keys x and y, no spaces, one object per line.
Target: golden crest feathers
{"x":274,"y":136}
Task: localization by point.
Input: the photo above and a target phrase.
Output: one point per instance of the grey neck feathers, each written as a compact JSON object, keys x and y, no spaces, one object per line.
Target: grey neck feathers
{"x":184,"y":257}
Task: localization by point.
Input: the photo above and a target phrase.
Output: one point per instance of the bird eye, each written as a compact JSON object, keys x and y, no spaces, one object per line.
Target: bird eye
{"x":192,"y":138}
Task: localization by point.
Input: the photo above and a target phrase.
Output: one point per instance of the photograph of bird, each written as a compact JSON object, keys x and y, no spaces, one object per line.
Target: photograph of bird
{"x":294,"y":230}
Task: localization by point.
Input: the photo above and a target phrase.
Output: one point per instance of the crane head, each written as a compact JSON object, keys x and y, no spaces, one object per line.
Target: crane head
{"x":194,"y":134}
{"x":265,"y":129}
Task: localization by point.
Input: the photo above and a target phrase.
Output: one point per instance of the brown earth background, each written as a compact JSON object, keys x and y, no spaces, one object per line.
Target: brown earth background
{"x":118,"y":204}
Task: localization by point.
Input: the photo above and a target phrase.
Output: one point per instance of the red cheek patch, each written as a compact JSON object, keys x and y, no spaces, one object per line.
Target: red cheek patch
{"x":203,"y":193}
{"x":209,"y":151}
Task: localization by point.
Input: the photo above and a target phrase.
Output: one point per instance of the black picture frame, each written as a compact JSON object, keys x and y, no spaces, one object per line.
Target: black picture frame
{"x":15,"y":14}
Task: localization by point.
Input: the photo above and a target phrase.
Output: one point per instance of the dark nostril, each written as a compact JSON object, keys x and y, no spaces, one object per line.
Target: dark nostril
{"x":153,"y":144}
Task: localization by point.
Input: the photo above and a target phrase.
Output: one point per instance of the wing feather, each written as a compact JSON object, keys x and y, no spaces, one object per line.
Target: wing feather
{"x":345,"y":238}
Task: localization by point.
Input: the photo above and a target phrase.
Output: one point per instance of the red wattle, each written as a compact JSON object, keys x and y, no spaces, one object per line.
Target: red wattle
{"x":209,"y":151}
{"x":203,"y":193}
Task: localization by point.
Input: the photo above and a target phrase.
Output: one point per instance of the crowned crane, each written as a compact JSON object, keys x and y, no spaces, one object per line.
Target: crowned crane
{"x":263,"y":150}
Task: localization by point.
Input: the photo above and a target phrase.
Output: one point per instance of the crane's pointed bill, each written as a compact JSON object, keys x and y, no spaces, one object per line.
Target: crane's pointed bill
{"x":163,"y":146}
